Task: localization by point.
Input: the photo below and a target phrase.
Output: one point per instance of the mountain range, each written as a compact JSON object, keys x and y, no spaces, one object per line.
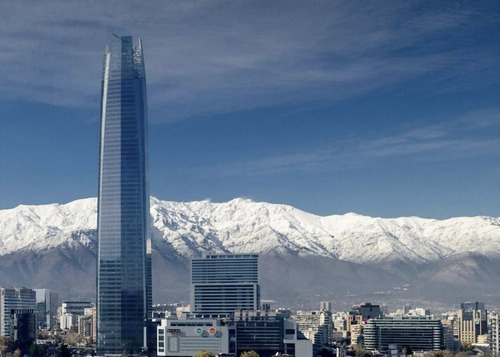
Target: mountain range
{"x":304,"y":258}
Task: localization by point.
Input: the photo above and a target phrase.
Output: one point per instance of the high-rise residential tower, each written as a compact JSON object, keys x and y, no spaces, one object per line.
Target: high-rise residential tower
{"x":223,"y":283}
{"x":124,"y":248}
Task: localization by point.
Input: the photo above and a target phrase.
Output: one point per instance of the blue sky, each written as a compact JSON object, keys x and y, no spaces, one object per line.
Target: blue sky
{"x":380,"y":108}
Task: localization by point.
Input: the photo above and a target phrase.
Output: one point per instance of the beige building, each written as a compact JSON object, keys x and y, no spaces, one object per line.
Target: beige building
{"x":472,"y":322}
{"x":316,"y":326}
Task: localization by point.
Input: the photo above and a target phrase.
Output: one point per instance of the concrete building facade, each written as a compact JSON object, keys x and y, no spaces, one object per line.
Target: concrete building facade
{"x":14,"y":299}
{"x":494,"y":333}
{"x":418,"y":333}
{"x":222,"y":283}
{"x":472,"y":322}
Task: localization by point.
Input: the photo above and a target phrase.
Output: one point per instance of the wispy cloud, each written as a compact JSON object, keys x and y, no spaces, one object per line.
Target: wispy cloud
{"x":210,"y":57}
{"x":454,"y":139}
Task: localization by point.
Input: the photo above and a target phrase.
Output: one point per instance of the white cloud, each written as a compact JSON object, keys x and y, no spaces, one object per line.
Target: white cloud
{"x":453,"y":139}
{"x":210,"y":57}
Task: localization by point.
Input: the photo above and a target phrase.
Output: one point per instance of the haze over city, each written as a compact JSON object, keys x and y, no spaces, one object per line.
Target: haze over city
{"x":384,"y":109}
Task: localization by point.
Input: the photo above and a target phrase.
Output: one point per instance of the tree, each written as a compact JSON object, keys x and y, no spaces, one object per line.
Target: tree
{"x":251,"y":353}
{"x":38,"y":350}
{"x":5,"y":345}
{"x":406,"y":350}
{"x":204,"y":353}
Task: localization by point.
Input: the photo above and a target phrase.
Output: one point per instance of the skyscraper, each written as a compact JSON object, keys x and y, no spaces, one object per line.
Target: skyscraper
{"x":124,"y":248}
{"x":222,"y":283}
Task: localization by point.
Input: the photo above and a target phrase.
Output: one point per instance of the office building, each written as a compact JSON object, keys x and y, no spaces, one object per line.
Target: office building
{"x":70,"y":312}
{"x":124,"y":248}
{"x":84,"y":326}
{"x":494,"y":333}
{"x":472,"y":322}
{"x":23,"y":327}
{"x":417,"y":333}
{"x":223,"y":283}
{"x":265,"y":332}
{"x":224,"y":298}
{"x":76,"y":308}
{"x":14,"y":299}
{"x":261,"y":331}
{"x":362,"y":313}
{"x":186,"y":337}
{"x":47,"y":303}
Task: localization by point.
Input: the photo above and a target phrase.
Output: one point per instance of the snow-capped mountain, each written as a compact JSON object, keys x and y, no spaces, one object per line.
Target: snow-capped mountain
{"x":241,"y":225}
{"x":304,"y":257}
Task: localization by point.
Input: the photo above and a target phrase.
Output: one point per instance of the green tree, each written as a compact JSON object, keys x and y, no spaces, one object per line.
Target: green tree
{"x":204,"y":353}
{"x":38,"y":350}
{"x":251,"y":353}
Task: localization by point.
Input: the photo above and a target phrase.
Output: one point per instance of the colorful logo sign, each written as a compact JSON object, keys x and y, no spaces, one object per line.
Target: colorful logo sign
{"x":212,"y":331}
{"x":199,"y":330}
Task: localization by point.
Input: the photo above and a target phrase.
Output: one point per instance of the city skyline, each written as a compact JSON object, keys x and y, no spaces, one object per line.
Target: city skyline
{"x":380,"y":109}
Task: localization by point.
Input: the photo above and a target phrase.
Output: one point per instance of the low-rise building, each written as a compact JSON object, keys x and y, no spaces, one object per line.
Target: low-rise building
{"x":185,"y":337}
{"x":417,"y":333}
{"x":265,"y":332}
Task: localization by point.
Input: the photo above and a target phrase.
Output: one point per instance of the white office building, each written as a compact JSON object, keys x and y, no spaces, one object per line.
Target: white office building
{"x":222,"y":283}
{"x":187,"y":336}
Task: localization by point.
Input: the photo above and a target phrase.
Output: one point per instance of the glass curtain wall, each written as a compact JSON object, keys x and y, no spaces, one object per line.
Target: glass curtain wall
{"x":123,"y":264}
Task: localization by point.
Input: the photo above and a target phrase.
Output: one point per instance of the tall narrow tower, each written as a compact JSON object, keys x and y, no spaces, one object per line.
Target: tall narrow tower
{"x":124,"y":248}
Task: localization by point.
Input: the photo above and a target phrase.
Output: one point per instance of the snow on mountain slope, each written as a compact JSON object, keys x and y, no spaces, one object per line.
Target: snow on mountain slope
{"x":241,"y":225}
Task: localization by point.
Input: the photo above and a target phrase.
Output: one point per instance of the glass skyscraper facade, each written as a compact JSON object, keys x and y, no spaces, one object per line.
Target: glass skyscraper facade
{"x":124,"y":248}
{"x":222,"y":283}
